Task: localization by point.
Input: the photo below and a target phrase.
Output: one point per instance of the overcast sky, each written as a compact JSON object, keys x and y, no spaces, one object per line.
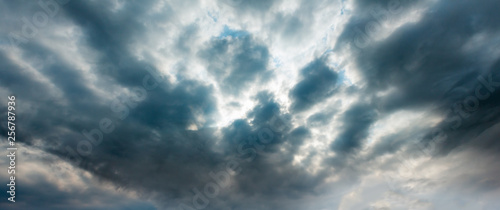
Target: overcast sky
{"x":252,"y":104}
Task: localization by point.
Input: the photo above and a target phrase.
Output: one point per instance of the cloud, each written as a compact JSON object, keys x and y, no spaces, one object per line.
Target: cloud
{"x":299,"y":104}
{"x":237,"y":60}
{"x":318,"y":83}
{"x":357,"y":121}
{"x":427,"y":63}
{"x":48,"y":183}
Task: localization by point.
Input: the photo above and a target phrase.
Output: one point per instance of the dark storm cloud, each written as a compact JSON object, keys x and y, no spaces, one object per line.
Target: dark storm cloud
{"x":54,"y":185}
{"x":165,"y":145}
{"x":369,"y":18}
{"x":44,"y":108}
{"x":468,"y":117}
{"x":110,"y":35}
{"x":120,"y":157}
{"x":265,"y":110}
{"x":237,"y":60}
{"x":318,"y":83}
{"x":430,"y":63}
{"x":150,"y":150}
{"x":168,"y":110}
{"x":150,"y":139}
{"x":267,"y":172}
{"x":264,"y":123}
{"x":298,"y":136}
{"x":443,"y":62}
{"x":18,"y":77}
{"x":356,"y":122}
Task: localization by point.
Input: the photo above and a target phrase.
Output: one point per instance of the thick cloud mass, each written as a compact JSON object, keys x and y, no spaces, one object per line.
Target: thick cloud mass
{"x":357,"y":121}
{"x":236,"y":104}
{"x":237,"y":60}
{"x":318,"y":84}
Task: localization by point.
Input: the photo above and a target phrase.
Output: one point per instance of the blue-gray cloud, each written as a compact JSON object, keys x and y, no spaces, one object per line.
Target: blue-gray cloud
{"x":169,"y":135}
{"x":318,"y":83}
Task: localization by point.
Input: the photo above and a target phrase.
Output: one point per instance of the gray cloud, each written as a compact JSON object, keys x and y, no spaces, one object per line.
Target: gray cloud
{"x":428,"y":65}
{"x":357,"y":121}
{"x":291,"y":147}
{"x":237,"y":61}
{"x":318,"y":83}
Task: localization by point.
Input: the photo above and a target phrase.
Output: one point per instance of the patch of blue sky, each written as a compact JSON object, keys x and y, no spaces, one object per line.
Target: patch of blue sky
{"x":276,"y":62}
{"x":233,"y":33}
{"x":343,"y":8}
{"x":328,"y":51}
{"x":342,"y":79}
{"x":213,"y":16}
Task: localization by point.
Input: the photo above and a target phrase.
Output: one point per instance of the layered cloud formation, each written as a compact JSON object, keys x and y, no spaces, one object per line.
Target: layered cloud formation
{"x":236,"y":104}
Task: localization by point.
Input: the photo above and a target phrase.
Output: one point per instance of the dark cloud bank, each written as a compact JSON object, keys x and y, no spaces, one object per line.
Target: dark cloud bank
{"x":140,"y":130}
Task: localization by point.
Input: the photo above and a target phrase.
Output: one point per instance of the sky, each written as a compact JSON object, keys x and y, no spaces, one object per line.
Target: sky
{"x":258,"y":104}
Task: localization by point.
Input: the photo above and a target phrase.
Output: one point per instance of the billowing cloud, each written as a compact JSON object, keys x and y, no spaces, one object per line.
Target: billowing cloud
{"x":318,"y":83}
{"x":237,"y":104}
{"x":237,"y":60}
